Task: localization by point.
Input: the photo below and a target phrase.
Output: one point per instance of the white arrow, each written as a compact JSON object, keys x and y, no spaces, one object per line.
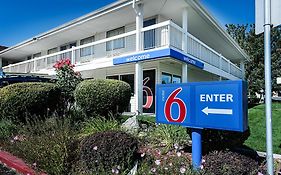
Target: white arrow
{"x":208,"y":111}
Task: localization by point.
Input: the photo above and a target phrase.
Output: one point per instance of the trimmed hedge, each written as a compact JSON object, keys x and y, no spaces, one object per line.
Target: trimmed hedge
{"x":218,"y":140}
{"x":102,"y":97}
{"x":104,"y":152}
{"x":22,"y":100}
{"x":229,"y":163}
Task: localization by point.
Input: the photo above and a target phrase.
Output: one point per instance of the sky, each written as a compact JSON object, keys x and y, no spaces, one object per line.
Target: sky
{"x":23,"y":19}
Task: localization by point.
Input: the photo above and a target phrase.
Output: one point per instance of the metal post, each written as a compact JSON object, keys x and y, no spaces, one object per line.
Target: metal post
{"x":267,"y":66}
{"x":72,"y":55}
{"x":196,"y":148}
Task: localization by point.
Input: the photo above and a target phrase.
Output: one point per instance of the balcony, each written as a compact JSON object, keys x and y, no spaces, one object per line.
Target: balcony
{"x":162,"y":35}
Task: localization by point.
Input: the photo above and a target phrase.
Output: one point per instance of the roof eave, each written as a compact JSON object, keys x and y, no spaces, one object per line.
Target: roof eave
{"x":80,"y":20}
{"x":198,"y":7}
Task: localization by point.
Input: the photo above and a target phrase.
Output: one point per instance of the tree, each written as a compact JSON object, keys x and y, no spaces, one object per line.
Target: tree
{"x":253,"y":45}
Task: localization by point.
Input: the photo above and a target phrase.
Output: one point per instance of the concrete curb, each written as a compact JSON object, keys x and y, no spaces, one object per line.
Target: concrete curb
{"x":17,"y":164}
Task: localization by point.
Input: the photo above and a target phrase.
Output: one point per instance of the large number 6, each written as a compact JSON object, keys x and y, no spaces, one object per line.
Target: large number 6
{"x":168,"y":106}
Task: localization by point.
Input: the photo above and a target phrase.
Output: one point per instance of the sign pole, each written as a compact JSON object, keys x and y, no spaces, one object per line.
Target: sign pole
{"x":267,"y":66}
{"x":196,"y":148}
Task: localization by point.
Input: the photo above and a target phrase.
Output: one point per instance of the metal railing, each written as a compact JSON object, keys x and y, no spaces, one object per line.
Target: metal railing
{"x":165,"y":34}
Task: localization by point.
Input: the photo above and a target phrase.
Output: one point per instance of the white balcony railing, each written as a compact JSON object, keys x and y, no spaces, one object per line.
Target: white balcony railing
{"x":165,"y":34}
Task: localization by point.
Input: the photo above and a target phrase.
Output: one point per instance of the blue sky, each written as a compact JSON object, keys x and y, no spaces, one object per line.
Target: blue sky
{"x":22,"y":19}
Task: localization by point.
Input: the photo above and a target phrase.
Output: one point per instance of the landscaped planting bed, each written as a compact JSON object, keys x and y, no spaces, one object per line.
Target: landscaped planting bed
{"x":84,"y":133}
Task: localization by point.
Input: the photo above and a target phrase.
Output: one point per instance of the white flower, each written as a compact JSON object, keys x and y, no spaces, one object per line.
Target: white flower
{"x":157,"y":162}
{"x":203,"y":160}
{"x":113,"y":170}
{"x":95,"y":148}
{"x":166,"y":168}
{"x":182,"y":170}
{"x":153,"y":170}
{"x":170,"y":164}
{"x":201,"y":167}
{"x":116,"y":171}
{"x":176,"y":146}
{"x":143,"y":154}
{"x":34,"y":164}
{"x":118,"y":167}
{"x":178,"y":154}
{"x":16,"y":138}
{"x":259,"y":173}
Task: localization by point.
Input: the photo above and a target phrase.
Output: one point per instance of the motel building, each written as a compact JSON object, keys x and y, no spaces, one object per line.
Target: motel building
{"x":141,"y":42}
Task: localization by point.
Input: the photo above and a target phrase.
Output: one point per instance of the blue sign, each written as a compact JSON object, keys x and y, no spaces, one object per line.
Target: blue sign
{"x":215,"y":105}
{"x":150,"y":55}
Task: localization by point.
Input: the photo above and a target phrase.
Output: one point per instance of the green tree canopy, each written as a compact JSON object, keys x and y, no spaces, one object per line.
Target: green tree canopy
{"x":253,"y":45}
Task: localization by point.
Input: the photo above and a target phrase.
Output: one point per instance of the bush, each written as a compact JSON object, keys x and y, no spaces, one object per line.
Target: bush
{"x":67,"y":80}
{"x":109,"y":150}
{"x":48,"y":145}
{"x":229,"y":163}
{"x":168,"y":135}
{"x":7,"y":129}
{"x":218,"y":140}
{"x":21,"y":100}
{"x":99,"y":124}
{"x":102,"y":97}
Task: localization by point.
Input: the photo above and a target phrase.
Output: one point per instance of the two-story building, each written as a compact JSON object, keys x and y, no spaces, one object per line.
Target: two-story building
{"x":144,"y":43}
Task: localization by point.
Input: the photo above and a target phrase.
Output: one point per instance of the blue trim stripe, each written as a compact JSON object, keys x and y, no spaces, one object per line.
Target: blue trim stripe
{"x":150,"y":55}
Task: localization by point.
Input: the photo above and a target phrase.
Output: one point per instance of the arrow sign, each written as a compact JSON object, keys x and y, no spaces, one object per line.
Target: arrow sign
{"x":208,"y":111}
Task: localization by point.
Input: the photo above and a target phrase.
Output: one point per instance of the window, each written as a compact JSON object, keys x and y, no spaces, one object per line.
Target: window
{"x":53,"y":50}
{"x":88,"y":50}
{"x":117,"y":43}
{"x":113,"y":77}
{"x":166,"y":78}
{"x":176,"y":79}
{"x":37,"y":55}
{"x":63,"y":48}
{"x":130,"y":80}
{"x":149,"y":36}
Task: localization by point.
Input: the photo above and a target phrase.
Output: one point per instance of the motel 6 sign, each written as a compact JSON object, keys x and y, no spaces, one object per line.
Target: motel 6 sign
{"x":214,"y":105}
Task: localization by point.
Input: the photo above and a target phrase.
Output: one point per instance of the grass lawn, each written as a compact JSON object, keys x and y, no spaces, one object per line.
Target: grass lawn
{"x":257,"y":140}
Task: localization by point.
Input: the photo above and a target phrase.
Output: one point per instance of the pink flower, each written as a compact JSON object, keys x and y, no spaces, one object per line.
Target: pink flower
{"x":157,"y":162}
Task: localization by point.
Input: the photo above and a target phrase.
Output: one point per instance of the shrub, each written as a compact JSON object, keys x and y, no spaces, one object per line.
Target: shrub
{"x":7,"y":129}
{"x":217,"y":139}
{"x":20,"y":100}
{"x":46,"y":144}
{"x":109,"y":150}
{"x":67,"y":80}
{"x":168,"y":135}
{"x":99,"y":124}
{"x":229,"y":163}
{"x":102,"y":97}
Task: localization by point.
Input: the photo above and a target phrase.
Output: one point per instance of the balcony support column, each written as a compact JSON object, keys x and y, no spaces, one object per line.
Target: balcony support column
{"x":1,"y":63}
{"x":185,"y":29}
{"x":242,"y":67}
{"x":184,"y":74}
{"x":139,"y":65}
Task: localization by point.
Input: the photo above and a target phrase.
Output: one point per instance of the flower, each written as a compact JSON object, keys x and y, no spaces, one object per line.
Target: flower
{"x":118,"y":167}
{"x":95,"y":148}
{"x":201,"y":167}
{"x":153,"y":170}
{"x":178,"y":154}
{"x":182,"y":170}
{"x":203,"y":160}
{"x":171,"y":164}
{"x":176,"y":146}
{"x":157,"y":162}
{"x":166,"y":168}
{"x":143,"y":154}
